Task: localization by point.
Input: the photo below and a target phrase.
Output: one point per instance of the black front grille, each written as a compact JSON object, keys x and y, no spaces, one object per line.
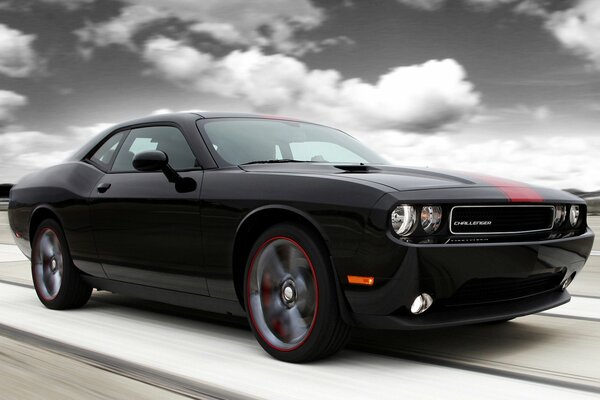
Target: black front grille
{"x":500,"y":219}
{"x":490,"y":290}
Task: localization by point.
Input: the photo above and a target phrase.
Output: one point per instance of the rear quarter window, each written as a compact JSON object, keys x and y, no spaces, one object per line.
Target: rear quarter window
{"x":105,"y":154}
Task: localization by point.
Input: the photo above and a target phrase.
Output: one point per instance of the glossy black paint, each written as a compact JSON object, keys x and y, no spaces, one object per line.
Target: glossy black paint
{"x":141,"y":233}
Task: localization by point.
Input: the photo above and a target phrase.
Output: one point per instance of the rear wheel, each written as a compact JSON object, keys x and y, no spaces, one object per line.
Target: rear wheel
{"x":291,"y":297}
{"x":57,"y":282}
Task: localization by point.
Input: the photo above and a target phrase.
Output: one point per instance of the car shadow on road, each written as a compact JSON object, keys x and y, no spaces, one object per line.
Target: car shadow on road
{"x":497,"y":342}
{"x":103,"y":300}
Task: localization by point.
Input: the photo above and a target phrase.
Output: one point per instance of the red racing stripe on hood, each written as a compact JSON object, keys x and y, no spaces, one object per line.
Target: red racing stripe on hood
{"x":515,"y":192}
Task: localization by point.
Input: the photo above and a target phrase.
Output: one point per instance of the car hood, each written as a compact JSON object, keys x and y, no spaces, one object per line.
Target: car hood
{"x":406,"y":179}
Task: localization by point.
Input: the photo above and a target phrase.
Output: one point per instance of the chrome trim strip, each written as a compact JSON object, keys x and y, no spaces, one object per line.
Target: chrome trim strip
{"x":505,"y":232}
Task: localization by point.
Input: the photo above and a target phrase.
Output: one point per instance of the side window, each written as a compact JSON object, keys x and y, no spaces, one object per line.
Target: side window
{"x":164,"y":138}
{"x":104,"y":155}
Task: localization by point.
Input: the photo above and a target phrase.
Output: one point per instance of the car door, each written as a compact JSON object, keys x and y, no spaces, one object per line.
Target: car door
{"x":146,"y":230}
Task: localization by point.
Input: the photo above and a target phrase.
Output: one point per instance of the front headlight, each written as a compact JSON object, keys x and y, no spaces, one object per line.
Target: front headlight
{"x":574,"y":215}
{"x":560,"y":213}
{"x":431,"y":218}
{"x":404,"y":219}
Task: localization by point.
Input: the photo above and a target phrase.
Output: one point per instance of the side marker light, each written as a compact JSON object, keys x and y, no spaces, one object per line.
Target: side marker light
{"x":361,"y":280}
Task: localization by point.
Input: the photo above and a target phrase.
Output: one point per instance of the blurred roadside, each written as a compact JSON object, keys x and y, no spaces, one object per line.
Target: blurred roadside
{"x":4,"y":189}
{"x":33,"y":372}
{"x":591,"y":198}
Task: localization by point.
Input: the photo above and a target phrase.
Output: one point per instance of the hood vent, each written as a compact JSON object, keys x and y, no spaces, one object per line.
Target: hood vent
{"x":356,"y":168}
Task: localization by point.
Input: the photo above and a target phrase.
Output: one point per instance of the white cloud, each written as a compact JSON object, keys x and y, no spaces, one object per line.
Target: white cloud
{"x":478,"y":5}
{"x":534,"y":8}
{"x":81,"y":134}
{"x":487,"y":5}
{"x":28,"y":151}
{"x":17,"y":57}
{"x":538,"y":113}
{"x":69,"y":4}
{"x":527,"y":7}
{"x":223,"y":32}
{"x":9,"y":102}
{"x":578,"y":29}
{"x":541,"y":113}
{"x":424,"y":97}
{"x":557,"y":161}
{"x":234,"y":22}
{"x":22,"y":152}
{"x":169,"y":111}
{"x":161,"y":111}
{"x":427,"y":5}
{"x":119,"y":30}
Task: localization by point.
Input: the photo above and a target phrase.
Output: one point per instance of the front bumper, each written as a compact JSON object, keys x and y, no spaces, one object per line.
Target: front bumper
{"x":470,"y":283}
{"x":441,"y":318}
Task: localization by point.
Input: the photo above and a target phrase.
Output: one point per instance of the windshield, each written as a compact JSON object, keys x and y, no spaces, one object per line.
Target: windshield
{"x":242,"y":141}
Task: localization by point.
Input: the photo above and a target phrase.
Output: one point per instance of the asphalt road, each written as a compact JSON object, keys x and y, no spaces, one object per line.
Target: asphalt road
{"x":139,"y":346}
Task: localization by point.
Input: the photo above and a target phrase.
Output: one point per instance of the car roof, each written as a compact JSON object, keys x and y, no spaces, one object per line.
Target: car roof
{"x":187,"y":115}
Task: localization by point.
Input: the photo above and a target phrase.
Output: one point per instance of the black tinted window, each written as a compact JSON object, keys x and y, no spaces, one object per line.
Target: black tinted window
{"x":104,"y":155}
{"x":164,"y":138}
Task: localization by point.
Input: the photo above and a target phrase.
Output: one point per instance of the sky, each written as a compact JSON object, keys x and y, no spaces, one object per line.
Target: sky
{"x":502,"y":87}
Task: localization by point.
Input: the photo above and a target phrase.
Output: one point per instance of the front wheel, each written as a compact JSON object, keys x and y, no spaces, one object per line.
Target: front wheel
{"x":291,"y":298}
{"x":57,"y":281}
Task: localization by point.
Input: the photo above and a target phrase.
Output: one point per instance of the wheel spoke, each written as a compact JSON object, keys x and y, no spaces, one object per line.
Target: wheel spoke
{"x":274,"y":312}
{"x":273,"y":263}
{"x":282,"y":294}
{"x":56,"y":282}
{"x":268,"y":294}
{"x":48,"y":265}
{"x":296,"y":325}
{"x":48,"y":281}
{"x":46,"y":247}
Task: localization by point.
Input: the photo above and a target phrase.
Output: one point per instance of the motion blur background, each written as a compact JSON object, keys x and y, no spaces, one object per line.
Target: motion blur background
{"x":505,"y":87}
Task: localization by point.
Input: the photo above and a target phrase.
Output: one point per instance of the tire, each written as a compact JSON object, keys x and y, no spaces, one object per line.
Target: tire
{"x":57,"y":281}
{"x":290,"y":296}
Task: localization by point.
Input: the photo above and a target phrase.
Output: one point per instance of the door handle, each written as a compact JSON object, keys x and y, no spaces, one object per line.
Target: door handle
{"x":103,"y":187}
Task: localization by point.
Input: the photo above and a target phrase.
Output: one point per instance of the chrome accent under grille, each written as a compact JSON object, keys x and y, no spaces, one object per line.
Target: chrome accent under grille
{"x":501,"y":219}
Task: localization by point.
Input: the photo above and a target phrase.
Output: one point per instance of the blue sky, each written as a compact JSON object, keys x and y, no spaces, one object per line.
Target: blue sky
{"x":507,"y":87}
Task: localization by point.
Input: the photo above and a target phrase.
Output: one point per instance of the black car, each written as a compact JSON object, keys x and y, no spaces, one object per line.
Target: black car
{"x":296,"y":225}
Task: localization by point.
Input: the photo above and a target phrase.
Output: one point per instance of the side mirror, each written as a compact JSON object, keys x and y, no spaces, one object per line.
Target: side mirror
{"x":148,"y":161}
{"x":156,"y":160}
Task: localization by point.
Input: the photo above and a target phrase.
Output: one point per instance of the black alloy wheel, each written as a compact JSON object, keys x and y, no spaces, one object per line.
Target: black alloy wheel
{"x":57,"y":281}
{"x":291,"y":297}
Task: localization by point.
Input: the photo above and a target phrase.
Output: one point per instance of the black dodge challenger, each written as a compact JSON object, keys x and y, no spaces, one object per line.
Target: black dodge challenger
{"x":296,"y":225}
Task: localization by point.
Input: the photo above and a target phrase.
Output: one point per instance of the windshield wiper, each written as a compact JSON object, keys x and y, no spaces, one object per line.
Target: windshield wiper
{"x":283,"y":160}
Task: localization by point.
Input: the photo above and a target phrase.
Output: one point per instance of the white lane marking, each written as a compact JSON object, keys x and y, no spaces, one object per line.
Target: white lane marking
{"x":595,"y":253}
{"x":10,"y":252}
{"x":230,"y":358}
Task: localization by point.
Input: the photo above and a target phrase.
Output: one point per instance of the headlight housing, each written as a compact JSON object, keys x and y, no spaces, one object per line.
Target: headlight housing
{"x":404,"y":219}
{"x":431,"y":218}
{"x":560,"y":214}
{"x":574,"y":215}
